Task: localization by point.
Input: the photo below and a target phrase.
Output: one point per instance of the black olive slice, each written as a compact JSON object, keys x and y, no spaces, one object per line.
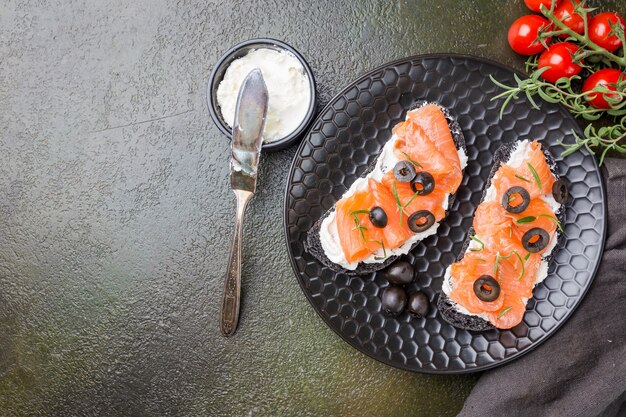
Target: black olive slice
{"x":560,"y":191}
{"x":512,"y":196}
{"x":535,"y":239}
{"x":487,"y":288}
{"x":421,"y":220}
{"x":378,"y":217}
{"x":426,"y":182}
{"x":404,"y":171}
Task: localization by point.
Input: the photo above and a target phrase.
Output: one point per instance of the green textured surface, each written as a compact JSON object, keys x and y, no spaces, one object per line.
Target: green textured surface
{"x":116,"y":216}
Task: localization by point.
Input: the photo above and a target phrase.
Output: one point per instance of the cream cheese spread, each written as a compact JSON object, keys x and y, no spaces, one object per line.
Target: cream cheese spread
{"x":287,"y":86}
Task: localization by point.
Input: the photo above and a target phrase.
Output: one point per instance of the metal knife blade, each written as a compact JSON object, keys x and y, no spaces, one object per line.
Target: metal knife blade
{"x":250,"y":114}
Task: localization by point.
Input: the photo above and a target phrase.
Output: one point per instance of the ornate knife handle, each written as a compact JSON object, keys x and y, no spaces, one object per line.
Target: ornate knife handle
{"x":229,"y":316}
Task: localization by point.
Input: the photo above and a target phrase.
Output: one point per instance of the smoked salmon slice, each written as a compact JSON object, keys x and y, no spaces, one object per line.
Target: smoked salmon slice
{"x":415,"y":145}
{"x":432,"y":120}
{"x":359,"y":237}
{"x":533,"y":174}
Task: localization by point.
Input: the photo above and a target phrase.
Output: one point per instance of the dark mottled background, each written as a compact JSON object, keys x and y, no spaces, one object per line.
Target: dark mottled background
{"x":116,"y":213}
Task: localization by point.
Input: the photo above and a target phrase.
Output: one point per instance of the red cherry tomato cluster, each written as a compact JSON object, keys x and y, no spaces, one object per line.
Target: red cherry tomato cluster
{"x":560,"y":57}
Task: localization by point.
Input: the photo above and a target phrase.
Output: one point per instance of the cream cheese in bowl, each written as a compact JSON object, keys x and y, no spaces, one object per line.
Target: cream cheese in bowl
{"x":290,"y":84}
{"x":287,"y":85}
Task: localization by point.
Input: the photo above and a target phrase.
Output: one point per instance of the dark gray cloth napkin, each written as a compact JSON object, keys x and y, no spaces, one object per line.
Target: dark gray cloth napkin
{"x":581,"y":369}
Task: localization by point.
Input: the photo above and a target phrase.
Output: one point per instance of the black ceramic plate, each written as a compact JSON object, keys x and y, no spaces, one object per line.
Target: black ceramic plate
{"x":347,"y":137}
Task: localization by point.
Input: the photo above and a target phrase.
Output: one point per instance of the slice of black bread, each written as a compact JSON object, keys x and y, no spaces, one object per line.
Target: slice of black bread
{"x":313,"y":244}
{"x":445,"y":305}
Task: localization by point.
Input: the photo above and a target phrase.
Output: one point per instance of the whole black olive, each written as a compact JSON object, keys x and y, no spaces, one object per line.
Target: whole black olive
{"x":394,"y":300}
{"x":420,"y":221}
{"x":404,"y":171}
{"x":378,"y":217}
{"x":511,"y":196}
{"x":560,"y":190}
{"x":535,"y":240}
{"x":399,"y":272}
{"x":423,"y":183}
{"x":487,"y":288}
{"x":418,"y":304}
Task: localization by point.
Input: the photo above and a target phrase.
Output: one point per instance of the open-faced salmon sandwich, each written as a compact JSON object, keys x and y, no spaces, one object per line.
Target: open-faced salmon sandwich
{"x":400,"y":201}
{"x":515,"y":231}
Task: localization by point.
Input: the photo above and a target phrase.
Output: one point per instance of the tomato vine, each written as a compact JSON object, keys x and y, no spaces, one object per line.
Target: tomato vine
{"x":606,"y":130}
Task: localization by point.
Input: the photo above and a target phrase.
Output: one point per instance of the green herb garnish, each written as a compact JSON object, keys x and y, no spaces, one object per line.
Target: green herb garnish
{"x":537,"y":180}
{"x":498,"y":257}
{"x":475,"y":239}
{"x":527,"y":256}
{"x":355,"y":212}
{"x":481,"y":259}
{"x":398,"y":202}
{"x":510,"y":231}
{"x":527,"y":219}
{"x":554,"y":219}
{"x":411,"y":160}
{"x":521,"y":263}
{"x":382,"y":245}
{"x":506,"y":310}
{"x":360,"y":228}
{"x":495,"y":265}
{"x":411,"y":200}
{"x":522,"y":178}
{"x":401,"y":206}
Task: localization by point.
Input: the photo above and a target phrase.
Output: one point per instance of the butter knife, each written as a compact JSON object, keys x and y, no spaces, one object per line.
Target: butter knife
{"x":249,"y":124}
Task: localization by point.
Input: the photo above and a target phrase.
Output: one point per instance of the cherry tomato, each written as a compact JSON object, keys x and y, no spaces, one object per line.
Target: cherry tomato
{"x":608,"y":77}
{"x":600,"y":27}
{"x":559,"y":58}
{"x":535,"y":5}
{"x":523,"y":34}
{"x":565,"y":13}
